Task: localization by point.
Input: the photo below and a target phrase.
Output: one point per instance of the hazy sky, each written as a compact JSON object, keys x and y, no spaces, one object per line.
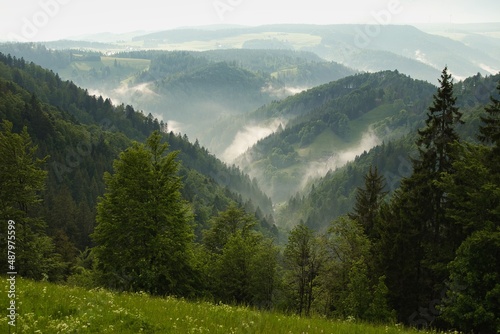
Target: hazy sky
{"x":54,"y":19}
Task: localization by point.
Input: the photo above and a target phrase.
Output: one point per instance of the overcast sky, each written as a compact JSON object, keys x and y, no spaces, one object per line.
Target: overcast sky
{"x":55,"y":19}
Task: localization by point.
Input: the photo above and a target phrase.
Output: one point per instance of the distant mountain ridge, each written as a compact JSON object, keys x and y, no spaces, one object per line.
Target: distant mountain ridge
{"x":342,"y":42}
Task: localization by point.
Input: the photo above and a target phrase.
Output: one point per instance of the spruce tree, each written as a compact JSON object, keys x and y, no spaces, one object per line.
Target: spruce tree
{"x":414,"y":242}
{"x":21,"y":181}
{"x":490,"y":130}
{"x":368,"y":201}
{"x":435,"y":145}
{"x":435,"y":139}
{"x":143,"y":231}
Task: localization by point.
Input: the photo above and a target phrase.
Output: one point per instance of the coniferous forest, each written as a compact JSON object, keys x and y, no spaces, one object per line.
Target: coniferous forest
{"x":408,"y":232}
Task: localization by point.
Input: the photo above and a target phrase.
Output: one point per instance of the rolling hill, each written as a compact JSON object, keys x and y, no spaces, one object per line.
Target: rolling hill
{"x":330,"y":124}
{"x":83,"y":134}
{"x":333,"y":194}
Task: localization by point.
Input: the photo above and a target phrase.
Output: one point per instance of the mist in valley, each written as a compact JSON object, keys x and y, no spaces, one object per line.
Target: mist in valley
{"x":319,"y":168}
{"x":247,"y":137}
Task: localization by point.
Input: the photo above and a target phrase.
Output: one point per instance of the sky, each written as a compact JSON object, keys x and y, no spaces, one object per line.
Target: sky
{"x":43,"y":20}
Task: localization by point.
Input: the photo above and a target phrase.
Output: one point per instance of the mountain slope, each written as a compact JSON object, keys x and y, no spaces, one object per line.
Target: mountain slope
{"x":345,"y":43}
{"x":83,"y":134}
{"x":331,"y":124}
{"x":190,"y":90}
{"x":334,"y":194}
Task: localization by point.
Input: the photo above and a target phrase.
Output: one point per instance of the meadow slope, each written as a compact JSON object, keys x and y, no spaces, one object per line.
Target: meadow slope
{"x":44,"y":307}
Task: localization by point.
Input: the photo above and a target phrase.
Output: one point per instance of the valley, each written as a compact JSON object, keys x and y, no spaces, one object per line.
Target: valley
{"x":324,"y":172}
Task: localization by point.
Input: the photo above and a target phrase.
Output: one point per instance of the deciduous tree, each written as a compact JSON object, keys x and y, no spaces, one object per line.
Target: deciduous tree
{"x":143,"y":233}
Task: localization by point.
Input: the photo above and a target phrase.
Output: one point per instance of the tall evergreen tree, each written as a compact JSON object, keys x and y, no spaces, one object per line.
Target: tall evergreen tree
{"x":143,"y":231}
{"x":415,"y":243}
{"x":21,"y":181}
{"x":489,"y":132}
{"x":435,"y":147}
{"x":435,"y":139}
{"x":368,"y":201}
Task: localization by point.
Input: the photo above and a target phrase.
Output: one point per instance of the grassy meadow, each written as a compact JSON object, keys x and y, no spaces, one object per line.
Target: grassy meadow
{"x":48,"y":308}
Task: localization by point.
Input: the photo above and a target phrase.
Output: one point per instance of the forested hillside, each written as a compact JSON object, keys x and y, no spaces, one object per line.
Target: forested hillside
{"x":80,"y":136}
{"x":331,"y":123}
{"x":334,"y":194}
{"x":193,"y":90}
{"x":102,"y":195}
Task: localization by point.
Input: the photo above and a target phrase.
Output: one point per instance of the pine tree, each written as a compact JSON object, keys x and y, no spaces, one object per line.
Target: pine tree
{"x":435,"y":139}
{"x":21,"y":181}
{"x":143,"y":231}
{"x":416,"y":243}
{"x":490,"y":130}
{"x":368,"y":201}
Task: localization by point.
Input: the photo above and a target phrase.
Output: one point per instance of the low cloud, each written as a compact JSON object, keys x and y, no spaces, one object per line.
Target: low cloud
{"x":247,"y":137}
{"x":174,"y":126}
{"x":283,"y":92}
{"x":317,"y":169}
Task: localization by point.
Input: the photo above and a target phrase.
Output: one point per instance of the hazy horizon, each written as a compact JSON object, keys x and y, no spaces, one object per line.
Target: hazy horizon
{"x":45,"y":20}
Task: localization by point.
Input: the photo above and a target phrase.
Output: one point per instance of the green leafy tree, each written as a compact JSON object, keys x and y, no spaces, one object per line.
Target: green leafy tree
{"x":233,"y":269}
{"x":357,"y":295}
{"x":240,"y":264}
{"x":21,"y":181}
{"x":225,"y":225}
{"x":344,"y":248}
{"x":302,"y":264}
{"x":143,"y":233}
{"x":473,"y":300}
{"x":379,"y":310}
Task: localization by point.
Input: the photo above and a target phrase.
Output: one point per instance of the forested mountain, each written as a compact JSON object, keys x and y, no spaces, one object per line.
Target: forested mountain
{"x":334,"y":194}
{"x":103,"y":195}
{"x":81,"y":135}
{"x":408,"y":49}
{"x":329,"y":124}
{"x":194,"y":90}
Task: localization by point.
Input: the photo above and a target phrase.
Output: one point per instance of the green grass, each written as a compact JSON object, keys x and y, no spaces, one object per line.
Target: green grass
{"x":324,"y":145}
{"x":127,"y":69}
{"x":48,"y":308}
{"x":298,"y":40}
{"x":361,"y":124}
{"x":135,"y":63}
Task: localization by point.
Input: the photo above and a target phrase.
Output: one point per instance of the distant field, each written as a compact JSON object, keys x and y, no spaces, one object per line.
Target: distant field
{"x":49,"y":308}
{"x":298,"y":40}
{"x":138,"y":64}
{"x":120,"y":69}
